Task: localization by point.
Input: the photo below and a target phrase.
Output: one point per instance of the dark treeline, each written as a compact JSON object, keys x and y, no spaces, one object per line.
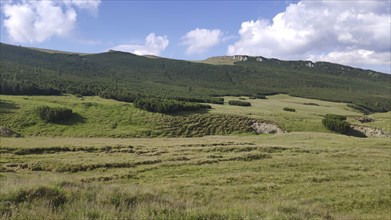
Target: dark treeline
{"x":167,"y":105}
{"x":239,"y":103}
{"x":25,"y":88}
{"x":212,"y":100}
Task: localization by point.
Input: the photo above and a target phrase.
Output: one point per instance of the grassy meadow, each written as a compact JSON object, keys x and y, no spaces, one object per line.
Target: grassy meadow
{"x":301,"y":175}
{"x":81,"y":169}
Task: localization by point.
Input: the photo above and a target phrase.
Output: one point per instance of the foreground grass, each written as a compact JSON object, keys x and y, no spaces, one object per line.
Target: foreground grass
{"x":289,"y":176}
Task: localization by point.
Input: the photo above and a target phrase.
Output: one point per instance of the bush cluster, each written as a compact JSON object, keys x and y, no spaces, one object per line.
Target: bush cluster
{"x":167,"y":105}
{"x":239,"y":103}
{"x":289,"y":109}
{"x":336,"y":123}
{"x":54,"y":115}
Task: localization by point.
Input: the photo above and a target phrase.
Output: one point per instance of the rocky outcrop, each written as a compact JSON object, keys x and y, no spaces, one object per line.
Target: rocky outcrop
{"x":310,"y":65}
{"x":265,"y":128}
{"x":370,"y":131}
{"x":6,"y":132}
{"x":240,"y":57}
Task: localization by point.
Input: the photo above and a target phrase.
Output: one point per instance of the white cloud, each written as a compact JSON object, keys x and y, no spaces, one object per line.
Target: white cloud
{"x":348,"y":32}
{"x":356,"y":57}
{"x":37,"y":21}
{"x":200,"y":40}
{"x":90,"y":5}
{"x":153,"y":45}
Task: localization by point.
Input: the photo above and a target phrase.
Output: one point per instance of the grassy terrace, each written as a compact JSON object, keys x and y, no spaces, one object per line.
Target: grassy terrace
{"x":97,"y":117}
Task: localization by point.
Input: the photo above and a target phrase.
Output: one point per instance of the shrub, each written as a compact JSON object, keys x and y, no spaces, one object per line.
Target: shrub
{"x":289,"y":109}
{"x":336,"y":117}
{"x":336,"y":123}
{"x":239,"y":103}
{"x":54,"y":115}
{"x":167,"y":105}
{"x":311,"y":103}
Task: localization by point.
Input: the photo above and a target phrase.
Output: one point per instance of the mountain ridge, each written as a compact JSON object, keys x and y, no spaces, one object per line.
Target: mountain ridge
{"x":237,"y":57}
{"x":126,"y":76}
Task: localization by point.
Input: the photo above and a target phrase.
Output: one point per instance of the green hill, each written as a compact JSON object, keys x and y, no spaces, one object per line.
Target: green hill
{"x":125,"y":76}
{"x":97,"y":117}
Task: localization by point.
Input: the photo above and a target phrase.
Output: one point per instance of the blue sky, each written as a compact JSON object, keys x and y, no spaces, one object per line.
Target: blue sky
{"x":355,"y":33}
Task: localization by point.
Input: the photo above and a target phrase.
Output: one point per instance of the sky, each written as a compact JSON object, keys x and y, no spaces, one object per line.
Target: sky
{"x":354,"y":33}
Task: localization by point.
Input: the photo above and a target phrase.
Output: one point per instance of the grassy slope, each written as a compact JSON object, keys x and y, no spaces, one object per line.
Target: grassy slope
{"x":98,"y":117}
{"x":306,"y":117}
{"x":289,"y":176}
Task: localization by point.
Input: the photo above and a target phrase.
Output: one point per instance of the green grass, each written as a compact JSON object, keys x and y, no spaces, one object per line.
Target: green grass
{"x":299,"y":175}
{"x":382,"y":120}
{"x":306,"y":118}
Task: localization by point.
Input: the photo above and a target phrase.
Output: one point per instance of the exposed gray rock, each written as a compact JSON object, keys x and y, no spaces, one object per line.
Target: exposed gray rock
{"x":6,"y":132}
{"x":265,"y":128}
{"x":370,"y":131}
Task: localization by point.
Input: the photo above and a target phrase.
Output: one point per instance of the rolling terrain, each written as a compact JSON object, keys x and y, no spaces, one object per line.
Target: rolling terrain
{"x":270,"y":159}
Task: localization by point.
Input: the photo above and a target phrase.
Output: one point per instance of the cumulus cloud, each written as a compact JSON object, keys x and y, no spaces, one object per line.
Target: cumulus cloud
{"x":200,"y":40}
{"x":348,"y":32}
{"x":153,"y":45}
{"x":89,"y":5}
{"x":37,"y":21}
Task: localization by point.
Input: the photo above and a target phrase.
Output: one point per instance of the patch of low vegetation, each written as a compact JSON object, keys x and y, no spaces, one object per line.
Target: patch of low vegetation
{"x":289,"y":109}
{"x":336,"y":123}
{"x":53,"y":197}
{"x":167,"y":106}
{"x":239,"y":103}
{"x":196,"y":125}
{"x":53,"y":115}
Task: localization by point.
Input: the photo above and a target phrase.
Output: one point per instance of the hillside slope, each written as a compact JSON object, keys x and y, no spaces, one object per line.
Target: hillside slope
{"x":125,"y":76}
{"x":97,"y":117}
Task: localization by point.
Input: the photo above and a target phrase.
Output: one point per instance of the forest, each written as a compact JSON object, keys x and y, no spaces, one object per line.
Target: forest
{"x":126,"y":77}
